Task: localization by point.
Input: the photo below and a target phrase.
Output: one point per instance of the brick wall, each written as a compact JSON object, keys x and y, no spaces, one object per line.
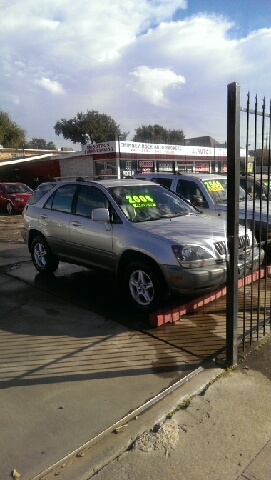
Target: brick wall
{"x":76,"y":167}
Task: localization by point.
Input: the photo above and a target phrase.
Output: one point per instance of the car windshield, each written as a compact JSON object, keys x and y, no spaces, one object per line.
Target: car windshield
{"x":17,"y":188}
{"x":142,"y":203}
{"x":217,"y":189}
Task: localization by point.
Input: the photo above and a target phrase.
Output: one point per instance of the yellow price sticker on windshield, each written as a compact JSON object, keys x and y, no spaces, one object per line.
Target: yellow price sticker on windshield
{"x":214,"y":186}
{"x":140,"y":201}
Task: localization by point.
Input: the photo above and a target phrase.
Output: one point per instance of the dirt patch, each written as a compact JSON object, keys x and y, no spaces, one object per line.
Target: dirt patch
{"x":163,"y":436}
{"x":10,"y":226}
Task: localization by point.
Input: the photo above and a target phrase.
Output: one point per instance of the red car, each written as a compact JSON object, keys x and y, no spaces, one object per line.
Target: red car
{"x":14,"y":196}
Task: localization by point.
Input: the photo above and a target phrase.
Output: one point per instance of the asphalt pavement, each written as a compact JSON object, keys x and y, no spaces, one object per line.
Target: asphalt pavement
{"x":83,"y":395}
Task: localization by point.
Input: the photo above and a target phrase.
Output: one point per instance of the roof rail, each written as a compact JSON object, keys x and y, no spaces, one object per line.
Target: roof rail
{"x":80,"y":179}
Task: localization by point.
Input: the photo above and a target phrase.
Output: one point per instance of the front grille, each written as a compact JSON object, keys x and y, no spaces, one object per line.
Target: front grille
{"x":220,"y":247}
{"x":244,"y":241}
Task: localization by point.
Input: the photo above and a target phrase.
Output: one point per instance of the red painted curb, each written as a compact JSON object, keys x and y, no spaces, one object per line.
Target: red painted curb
{"x":172,"y":315}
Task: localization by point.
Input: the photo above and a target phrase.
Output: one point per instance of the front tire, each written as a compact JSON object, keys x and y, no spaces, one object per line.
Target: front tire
{"x":42,"y":257}
{"x":9,"y":208}
{"x":143,"y":286}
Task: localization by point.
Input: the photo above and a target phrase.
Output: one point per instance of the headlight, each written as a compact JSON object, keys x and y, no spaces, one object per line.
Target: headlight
{"x":191,"y":256}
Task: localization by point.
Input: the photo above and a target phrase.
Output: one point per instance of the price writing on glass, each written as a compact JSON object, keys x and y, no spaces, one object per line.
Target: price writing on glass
{"x":140,"y":201}
{"x":214,"y":186}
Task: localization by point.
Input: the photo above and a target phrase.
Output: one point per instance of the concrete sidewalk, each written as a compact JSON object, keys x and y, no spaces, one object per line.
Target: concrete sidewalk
{"x":222,"y":431}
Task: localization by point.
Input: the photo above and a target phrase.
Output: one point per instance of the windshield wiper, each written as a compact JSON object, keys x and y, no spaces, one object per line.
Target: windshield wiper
{"x":176,"y":214}
{"x":138,"y":220}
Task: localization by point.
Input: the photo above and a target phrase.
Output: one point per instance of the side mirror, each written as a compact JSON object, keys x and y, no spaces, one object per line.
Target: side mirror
{"x":100,"y":215}
{"x":198,"y":202}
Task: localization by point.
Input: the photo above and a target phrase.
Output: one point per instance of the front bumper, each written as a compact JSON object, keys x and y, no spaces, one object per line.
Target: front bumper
{"x":18,"y":208}
{"x":203,"y":280}
{"x":194,"y":281}
{"x":24,"y":234}
{"x":252,"y":261}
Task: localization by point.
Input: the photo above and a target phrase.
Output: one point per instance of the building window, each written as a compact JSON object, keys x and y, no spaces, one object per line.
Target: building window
{"x":106,"y":167}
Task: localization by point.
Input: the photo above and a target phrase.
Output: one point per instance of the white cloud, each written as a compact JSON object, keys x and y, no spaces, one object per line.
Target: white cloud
{"x":82,"y":31}
{"x":151,"y":83}
{"x":129,"y":59}
{"x":51,"y":86}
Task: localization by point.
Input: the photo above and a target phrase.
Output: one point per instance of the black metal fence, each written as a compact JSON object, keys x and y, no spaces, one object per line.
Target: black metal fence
{"x":248,"y":300}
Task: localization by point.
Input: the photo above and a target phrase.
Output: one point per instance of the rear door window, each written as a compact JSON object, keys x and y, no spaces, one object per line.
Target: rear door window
{"x":62,"y":199}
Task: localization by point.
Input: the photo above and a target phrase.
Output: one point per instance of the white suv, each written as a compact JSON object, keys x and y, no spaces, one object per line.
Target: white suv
{"x":208,"y":192}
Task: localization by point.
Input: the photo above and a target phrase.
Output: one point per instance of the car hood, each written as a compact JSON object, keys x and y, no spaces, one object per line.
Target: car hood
{"x":24,"y":196}
{"x":188,"y":229}
{"x":246,"y":210}
{"x":260,"y":210}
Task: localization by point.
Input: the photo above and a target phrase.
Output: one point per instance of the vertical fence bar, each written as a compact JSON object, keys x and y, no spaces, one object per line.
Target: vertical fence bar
{"x":233,"y":180}
{"x":268,"y":198}
{"x":261,"y":214}
{"x":253,"y":224}
{"x":246,"y":203}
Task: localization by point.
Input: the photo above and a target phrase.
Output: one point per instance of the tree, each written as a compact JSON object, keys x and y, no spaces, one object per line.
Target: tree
{"x":11,"y":135}
{"x":158,"y":134}
{"x":51,"y":146}
{"x":41,"y":144}
{"x":176,"y":137}
{"x":89,"y":127}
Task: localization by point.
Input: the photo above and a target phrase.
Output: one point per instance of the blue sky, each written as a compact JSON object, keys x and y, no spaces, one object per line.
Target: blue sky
{"x":140,"y":61}
{"x":247,"y":15}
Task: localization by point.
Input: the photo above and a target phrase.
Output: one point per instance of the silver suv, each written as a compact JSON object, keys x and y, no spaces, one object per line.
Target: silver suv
{"x":151,"y":239}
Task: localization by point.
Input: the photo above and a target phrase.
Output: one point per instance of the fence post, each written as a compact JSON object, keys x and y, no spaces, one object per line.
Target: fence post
{"x":233,"y":182}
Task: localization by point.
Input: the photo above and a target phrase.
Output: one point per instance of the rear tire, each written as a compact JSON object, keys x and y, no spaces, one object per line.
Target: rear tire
{"x":42,"y":257}
{"x":144,"y":286}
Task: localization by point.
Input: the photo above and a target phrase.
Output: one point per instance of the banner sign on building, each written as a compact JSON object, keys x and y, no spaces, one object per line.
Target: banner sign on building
{"x":120,"y":147}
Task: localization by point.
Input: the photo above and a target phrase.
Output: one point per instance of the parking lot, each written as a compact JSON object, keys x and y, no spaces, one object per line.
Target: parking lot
{"x":75,"y":360}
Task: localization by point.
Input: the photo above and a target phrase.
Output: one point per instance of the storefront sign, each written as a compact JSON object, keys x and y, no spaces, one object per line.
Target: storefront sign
{"x":145,"y":164}
{"x":165,"y":167}
{"x":99,"y":148}
{"x":128,"y":173}
{"x":122,"y":147}
{"x":202,"y":167}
